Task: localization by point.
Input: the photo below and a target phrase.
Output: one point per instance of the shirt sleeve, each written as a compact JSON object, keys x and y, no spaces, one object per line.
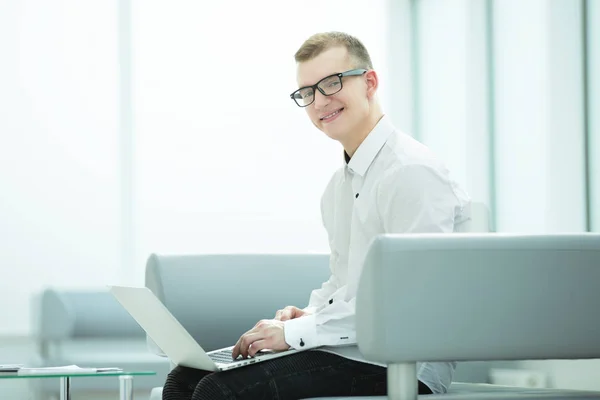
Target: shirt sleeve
{"x":333,"y":325}
{"x":417,"y":199}
{"x":319,"y":297}
{"x":318,"y":329}
{"x":413,"y":199}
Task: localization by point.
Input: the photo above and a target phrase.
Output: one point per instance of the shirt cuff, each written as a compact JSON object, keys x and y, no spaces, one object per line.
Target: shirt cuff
{"x":310,"y":310}
{"x":301,"y":333}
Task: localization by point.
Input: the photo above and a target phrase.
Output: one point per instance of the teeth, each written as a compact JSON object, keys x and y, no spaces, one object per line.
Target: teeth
{"x":331,"y":115}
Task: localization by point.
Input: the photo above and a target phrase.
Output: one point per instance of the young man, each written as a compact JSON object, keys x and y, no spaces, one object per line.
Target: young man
{"x":389,"y":183}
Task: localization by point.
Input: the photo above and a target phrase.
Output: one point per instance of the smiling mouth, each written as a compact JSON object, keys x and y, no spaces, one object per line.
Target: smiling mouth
{"x":333,"y":114}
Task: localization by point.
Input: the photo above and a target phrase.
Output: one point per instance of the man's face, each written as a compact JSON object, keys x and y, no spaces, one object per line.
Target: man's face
{"x":341,"y":114}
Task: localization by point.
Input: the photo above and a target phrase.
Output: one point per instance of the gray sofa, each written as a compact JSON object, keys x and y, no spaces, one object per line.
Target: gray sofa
{"x":89,"y":329}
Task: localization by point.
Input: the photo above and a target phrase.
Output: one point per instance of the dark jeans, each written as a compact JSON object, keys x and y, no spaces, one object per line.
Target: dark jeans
{"x":297,"y":376}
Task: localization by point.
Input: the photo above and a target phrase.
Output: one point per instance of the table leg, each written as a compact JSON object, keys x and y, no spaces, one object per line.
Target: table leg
{"x":65,"y":388}
{"x":125,"y":387}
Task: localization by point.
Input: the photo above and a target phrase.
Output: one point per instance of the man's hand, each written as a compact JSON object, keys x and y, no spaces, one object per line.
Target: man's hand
{"x":266,"y":334}
{"x":290,"y":312}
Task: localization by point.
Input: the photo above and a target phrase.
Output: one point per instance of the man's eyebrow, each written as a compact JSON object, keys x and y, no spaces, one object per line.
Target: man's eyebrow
{"x":318,"y":80}
{"x":306,"y":85}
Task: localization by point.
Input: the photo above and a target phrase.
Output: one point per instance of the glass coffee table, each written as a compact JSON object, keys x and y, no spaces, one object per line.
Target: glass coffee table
{"x":125,"y":380}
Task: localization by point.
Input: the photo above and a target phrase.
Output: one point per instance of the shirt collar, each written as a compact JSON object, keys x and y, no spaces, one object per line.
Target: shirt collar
{"x":365,"y":154}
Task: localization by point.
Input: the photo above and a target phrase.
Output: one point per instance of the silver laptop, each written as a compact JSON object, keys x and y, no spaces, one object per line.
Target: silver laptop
{"x":173,"y":339}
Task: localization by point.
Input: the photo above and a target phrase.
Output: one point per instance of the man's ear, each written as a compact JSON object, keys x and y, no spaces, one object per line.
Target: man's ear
{"x":372,"y":83}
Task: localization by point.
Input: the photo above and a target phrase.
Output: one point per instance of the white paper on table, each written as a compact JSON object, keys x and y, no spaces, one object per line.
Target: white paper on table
{"x":70,"y":369}
{"x":10,"y":367}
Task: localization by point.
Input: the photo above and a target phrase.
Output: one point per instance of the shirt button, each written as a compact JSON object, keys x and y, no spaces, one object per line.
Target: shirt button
{"x":330,"y":301}
{"x":356,"y":197}
{"x":301,"y":343}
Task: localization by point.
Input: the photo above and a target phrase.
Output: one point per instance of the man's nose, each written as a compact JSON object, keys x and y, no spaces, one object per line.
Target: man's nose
{"x":320,"y":100}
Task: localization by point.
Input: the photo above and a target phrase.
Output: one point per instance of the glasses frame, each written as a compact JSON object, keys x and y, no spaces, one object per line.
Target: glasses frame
{"x":315,"y":87}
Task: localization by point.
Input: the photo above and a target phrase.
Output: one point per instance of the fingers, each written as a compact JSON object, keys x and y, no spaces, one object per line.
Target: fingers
{"x":246,"y":341}
{"x":287,"y":314}
{"x":236,"y":349}
{"x":290,"y":312}
{"x":256,"y":347}
{"x":264,"y":330}
{"x":259,"y":324}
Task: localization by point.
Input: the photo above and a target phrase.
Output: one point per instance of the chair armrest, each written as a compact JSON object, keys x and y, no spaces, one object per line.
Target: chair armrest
{"x":478,"y":297}
{"x":65,"y":314}
{"x":53,"y":318}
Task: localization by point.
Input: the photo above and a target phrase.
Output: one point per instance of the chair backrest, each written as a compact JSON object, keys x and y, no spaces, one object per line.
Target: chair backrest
{"x":218,"y":297}
{"x":478,"y":297}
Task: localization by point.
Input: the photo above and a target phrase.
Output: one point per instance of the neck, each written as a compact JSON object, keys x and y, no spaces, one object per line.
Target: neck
{"x":363,"y":131}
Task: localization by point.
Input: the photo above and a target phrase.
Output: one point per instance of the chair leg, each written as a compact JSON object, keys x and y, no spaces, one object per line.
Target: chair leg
{"x":402,"y":383}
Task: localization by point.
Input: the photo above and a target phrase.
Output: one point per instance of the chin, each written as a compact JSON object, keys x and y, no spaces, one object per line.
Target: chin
{"x":334,"y":133}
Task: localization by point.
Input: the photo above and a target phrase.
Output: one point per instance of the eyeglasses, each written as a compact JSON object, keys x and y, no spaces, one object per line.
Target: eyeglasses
{"x":329,"y":85}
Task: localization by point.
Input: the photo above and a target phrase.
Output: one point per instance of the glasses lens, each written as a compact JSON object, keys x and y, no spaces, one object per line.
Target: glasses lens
{"x":331,"y":85}
{"x":304,"y":97}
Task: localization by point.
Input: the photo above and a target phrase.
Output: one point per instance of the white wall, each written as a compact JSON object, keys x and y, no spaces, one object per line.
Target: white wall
{"x":442,"y":29}
{"x":522,"y":125}
{"x":539,"y":131}
{"x":58,"y":150}
{"x":453,"y":94}
{"x":593,"y":26}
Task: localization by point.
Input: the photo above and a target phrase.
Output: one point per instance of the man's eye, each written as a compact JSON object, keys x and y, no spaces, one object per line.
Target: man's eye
{"x":306,"y":94}
{"x":333,"y":84}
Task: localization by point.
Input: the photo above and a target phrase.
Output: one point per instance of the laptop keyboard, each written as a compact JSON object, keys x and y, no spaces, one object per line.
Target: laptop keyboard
{"x":224,"y":356}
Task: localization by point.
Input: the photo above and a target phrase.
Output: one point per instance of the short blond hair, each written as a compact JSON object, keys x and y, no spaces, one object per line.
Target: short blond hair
{"x":318,"y":43}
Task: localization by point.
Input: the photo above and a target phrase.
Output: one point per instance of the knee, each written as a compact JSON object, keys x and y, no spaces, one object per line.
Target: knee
{"x":175,"y":375}
{"x":180,"y":381}
{"x":213,"y":387}
{"x":173,"y":382}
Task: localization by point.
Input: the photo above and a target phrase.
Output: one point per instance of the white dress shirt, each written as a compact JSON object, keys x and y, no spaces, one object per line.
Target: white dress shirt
{"x":392,"y":184}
